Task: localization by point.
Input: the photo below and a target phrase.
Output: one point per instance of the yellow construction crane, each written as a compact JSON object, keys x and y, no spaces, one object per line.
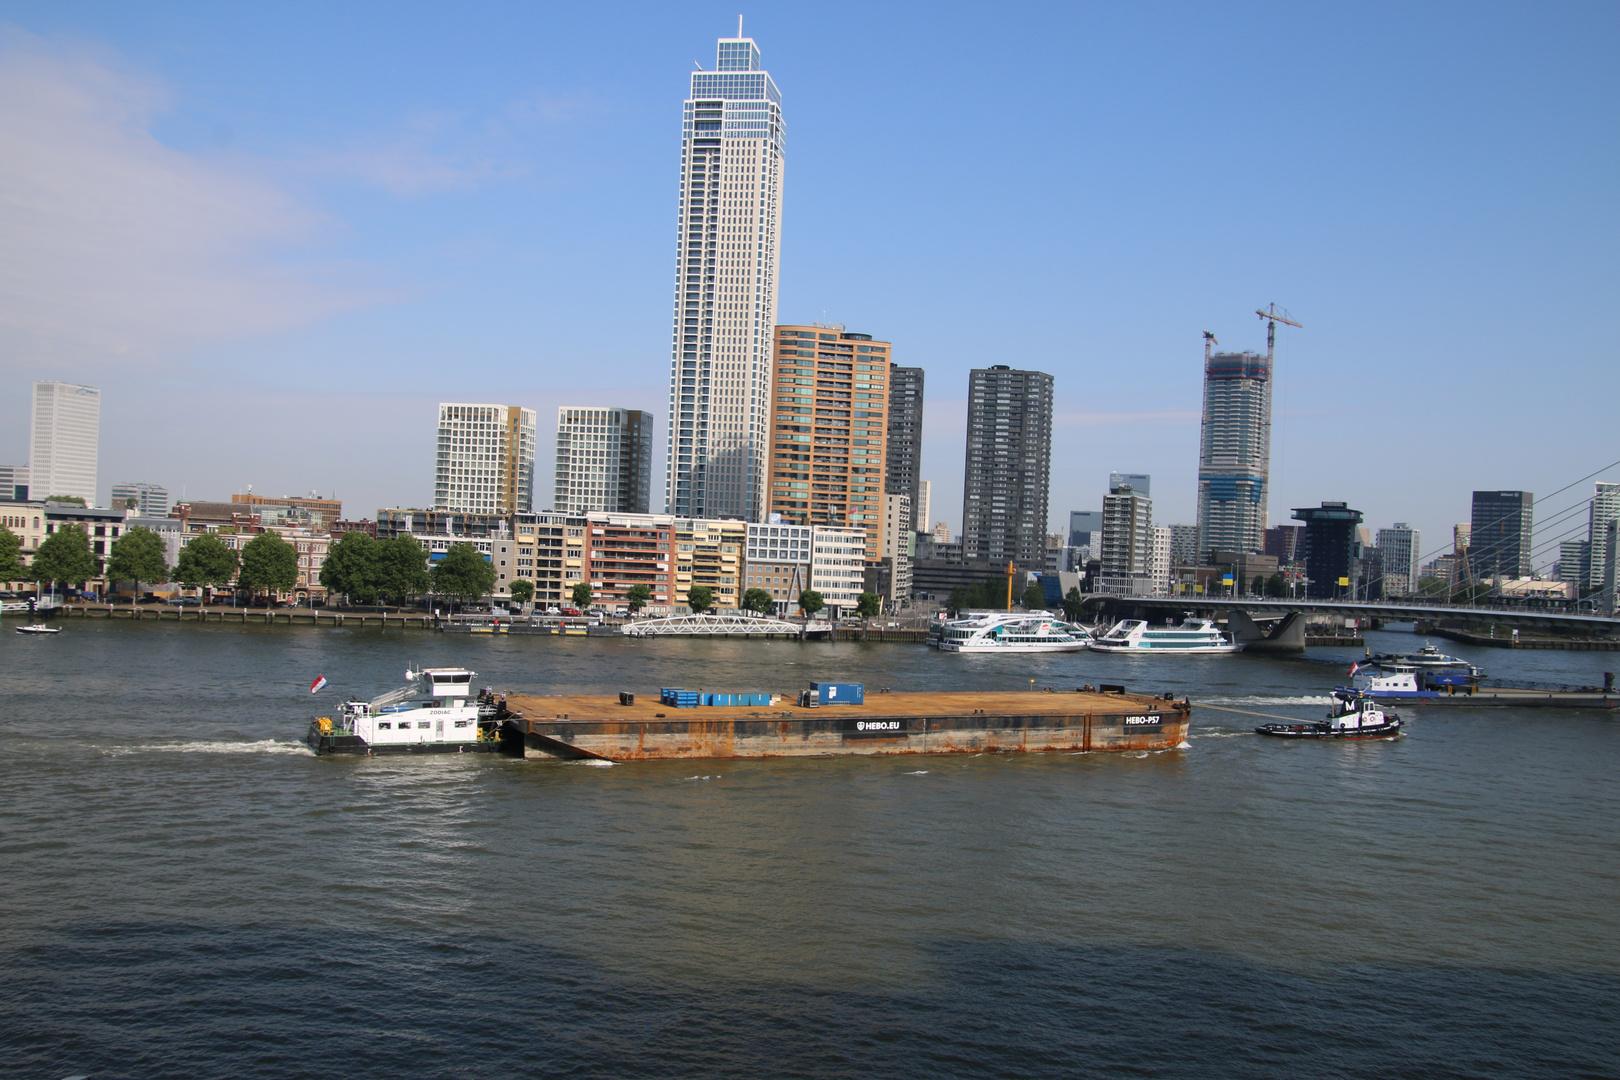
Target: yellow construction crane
{"x":1269,"y":313}
{"x":1209,"y":339}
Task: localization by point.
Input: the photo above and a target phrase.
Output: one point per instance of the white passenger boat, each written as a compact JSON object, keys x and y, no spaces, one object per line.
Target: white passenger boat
{"x":435,"y":712}
{"x":39,"y":628}
{"x":1137,"y":636}
{"x":1012,"y":632}
{"x":1354,"y":715}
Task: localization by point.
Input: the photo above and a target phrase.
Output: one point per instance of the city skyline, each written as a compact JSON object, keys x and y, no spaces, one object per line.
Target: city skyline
{"x":500,"y":200}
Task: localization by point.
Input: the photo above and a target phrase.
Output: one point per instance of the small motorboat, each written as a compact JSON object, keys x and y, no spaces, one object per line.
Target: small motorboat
{"x":39,"y":628}
{"x":1355,"y":715}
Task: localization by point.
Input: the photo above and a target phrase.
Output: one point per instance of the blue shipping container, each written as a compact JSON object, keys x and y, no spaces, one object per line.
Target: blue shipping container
{"x":840,"y":693}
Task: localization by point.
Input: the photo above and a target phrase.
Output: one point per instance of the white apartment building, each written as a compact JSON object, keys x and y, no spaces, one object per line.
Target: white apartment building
{"x":837,"y":567}
{"x":604,"y":460}
{"x":899,"y":544}
{"x":1162,"y":539}
{"x":726,"y":271}
{"x":65,"y":441}
{"x":485,"y":460}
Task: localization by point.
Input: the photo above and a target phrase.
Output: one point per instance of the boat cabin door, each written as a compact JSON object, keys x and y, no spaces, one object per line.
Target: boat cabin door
{"x":438,"y":730}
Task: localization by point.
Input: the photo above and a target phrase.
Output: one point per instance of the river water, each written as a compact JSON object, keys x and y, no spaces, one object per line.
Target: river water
{"x":185,"y":891}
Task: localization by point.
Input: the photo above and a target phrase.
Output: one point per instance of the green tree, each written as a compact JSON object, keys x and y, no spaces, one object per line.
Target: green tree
{"x":402,"y":568}
{"x":700,"y":598}
{"x":206,"y":560}
{"x":868,"y":604}
{"x":268,"y":563}
{"x":11,"y":560}
{"x":69,"y":500}
{"x":1074,"y":605}
{"x":138,"y":556}
{"x":353,"y":567}
{"x":811,"y":602}
{"x":65,"y":557}
{"x":1276,"y":587}
{"x":758,"y":600}
{"x":581,"y":595}
{"x":464,"y":572}
{"x":1034,"y":597}
{"x":522,"y":591}
{"x":1431,"y":586}
{"x":637,"y":596}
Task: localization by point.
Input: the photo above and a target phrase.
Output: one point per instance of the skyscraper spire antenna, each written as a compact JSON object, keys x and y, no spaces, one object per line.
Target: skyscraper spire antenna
{"x":739,"y":26}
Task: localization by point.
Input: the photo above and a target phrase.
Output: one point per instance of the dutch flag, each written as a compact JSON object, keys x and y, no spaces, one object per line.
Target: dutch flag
{"x":1355,"y":666}
{"x":320,"y":681}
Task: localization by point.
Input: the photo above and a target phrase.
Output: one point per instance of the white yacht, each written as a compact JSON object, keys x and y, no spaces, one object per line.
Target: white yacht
{"x":1137,"y":636}
{"x":1012,"y":632}
{"x":435,"y":712}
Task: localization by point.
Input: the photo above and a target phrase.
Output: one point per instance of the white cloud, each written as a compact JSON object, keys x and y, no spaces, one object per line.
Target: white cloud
{"x":119,"y":248}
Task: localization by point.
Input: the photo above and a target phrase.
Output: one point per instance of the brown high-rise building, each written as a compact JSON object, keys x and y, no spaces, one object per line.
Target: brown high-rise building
{"x":829,"y":430}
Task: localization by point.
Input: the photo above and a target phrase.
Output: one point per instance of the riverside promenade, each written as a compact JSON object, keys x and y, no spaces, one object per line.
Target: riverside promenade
{"x":286,"y":616}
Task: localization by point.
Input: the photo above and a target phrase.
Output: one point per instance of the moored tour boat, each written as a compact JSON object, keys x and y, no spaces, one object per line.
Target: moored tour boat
{"x":434,"y":713}
{"x":1008,"y":632}
{"x":1137,"y":636}
{"x":39,"y":628}
{"x":1354,"y":715}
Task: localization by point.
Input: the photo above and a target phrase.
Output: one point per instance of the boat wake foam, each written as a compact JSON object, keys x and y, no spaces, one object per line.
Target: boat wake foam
{"x":218,"y":746}
{"x":918,"y":772}
{"x":595,"y":763}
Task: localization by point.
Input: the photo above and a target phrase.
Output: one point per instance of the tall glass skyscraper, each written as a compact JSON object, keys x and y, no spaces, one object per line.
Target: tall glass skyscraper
{"x":1234,"y":454}
{"x":726,"y":268}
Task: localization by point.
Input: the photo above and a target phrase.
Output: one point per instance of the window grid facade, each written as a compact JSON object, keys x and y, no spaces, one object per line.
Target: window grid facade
{"x":830,"y":437}
{"x":1234,"y":456}
{"x":1008,"y":471}
{"x":726,"y":275}
{"x":485,"y":460}
{"x":65,"y":441}
{"x":604,"y":460}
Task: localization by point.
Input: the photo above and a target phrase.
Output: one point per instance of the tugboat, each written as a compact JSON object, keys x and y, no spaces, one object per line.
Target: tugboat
{"x":433,"y":713}
{"x":1354,"y":715}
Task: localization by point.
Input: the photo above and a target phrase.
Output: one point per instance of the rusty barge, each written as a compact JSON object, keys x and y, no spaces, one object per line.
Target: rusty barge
{"x":578,"y":726}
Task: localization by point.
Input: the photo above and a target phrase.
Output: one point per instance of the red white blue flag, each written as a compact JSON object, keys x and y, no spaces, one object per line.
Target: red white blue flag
{"x":320,"y":681}
{"x":1355,"y":666}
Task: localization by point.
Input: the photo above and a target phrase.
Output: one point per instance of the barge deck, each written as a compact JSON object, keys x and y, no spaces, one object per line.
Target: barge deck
{"x":582,"y":726}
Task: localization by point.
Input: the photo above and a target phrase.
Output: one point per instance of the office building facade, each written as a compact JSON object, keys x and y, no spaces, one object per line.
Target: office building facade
{"x":604,"y":460}
{"x":1127,"y":542}
{"x":1605,"y":507}
{"x":778,"y":561}
{"x":1141,"y":482}
{"x":1332,"y":552}
{"x":149,"y":499}
{"x":838,"y":568}
{"x":829,"y":419}
{"x":1499,"y":541}
{"x":65,"y":441}
{"x":726,"y":270}
{"x":1234,"y":454}
{"x":485,"y":461}
{"x":1400,"y":555}
{"x":1006,"y":480}
{"x":13,"y":483}
{"x":903,"y":454}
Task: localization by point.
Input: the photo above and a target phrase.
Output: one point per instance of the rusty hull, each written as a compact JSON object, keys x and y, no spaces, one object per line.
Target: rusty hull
{"x":591,"y":726}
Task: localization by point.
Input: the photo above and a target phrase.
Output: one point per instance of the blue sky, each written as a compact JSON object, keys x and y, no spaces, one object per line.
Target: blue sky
{"x":277,"y":235}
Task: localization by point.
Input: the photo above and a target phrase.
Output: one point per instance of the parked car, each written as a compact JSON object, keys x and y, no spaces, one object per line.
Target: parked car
{"x":186,"y":601}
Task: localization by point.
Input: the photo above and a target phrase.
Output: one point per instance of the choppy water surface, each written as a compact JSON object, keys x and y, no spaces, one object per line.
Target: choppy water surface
{"x":184,"y":891}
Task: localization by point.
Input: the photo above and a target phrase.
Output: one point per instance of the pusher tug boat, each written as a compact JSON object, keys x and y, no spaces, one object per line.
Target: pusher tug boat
{"x":1354,"y":715}
{"x":435,"y":712}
